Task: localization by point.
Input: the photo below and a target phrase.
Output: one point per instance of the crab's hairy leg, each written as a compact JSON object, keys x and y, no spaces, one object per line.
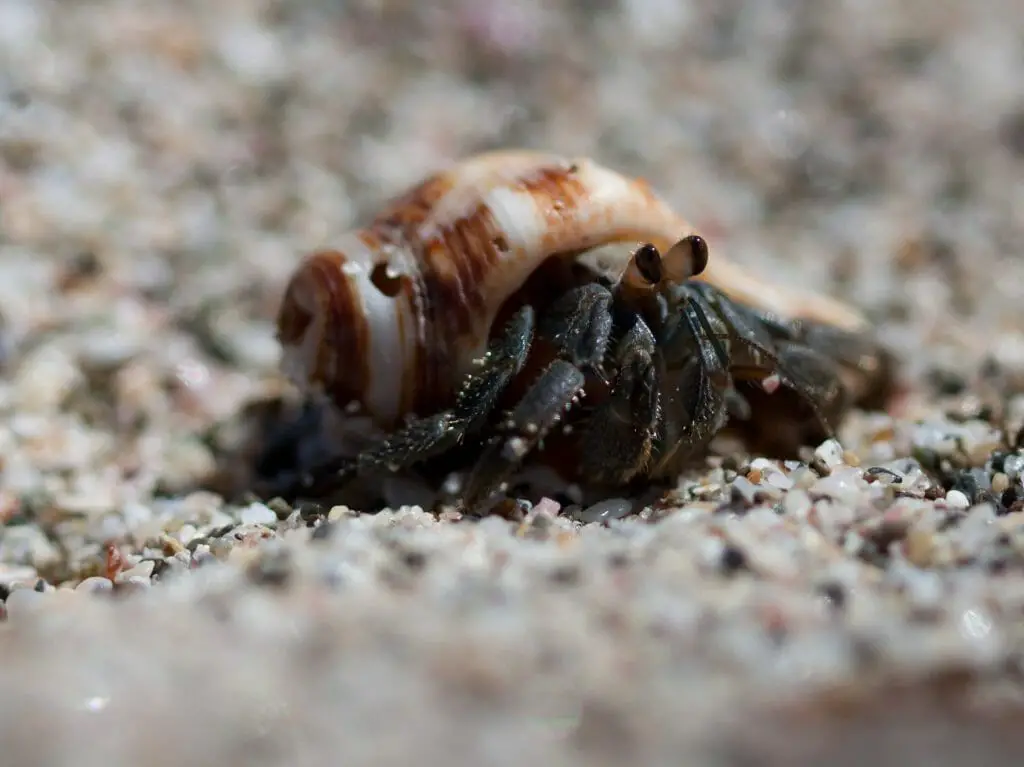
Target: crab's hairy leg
{"x":807,"y":371}
{"x":543,"y":406}
{"x":816,"y":378}
{"x":428,"y":436}
{"x":425,"y":437}
{"x":620,"y":434}
{"x":580,"y":325}
{"x":696,"y":398}
{"x":854,"y":349}
{"x":867,"y":367}
{"x":743,"y":325}
{"x":864,"y":367}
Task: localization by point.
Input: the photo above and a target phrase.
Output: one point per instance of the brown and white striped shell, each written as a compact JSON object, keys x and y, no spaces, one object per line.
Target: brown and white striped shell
{"x":394,"y":314}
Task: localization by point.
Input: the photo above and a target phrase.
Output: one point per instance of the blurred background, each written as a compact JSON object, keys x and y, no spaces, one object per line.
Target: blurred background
{"x":163,"y":165}
{"x":167,"y":163}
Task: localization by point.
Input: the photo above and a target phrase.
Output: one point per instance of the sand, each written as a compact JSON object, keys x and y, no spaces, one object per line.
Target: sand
{"x":163,"y":166}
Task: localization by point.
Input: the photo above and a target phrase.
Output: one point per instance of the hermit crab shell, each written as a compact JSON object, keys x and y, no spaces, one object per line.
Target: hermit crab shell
{"x":394,"y":314}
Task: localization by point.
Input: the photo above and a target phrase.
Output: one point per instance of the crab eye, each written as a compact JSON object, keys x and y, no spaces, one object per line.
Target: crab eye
{"x":699,"y":253}
{"x":686,"y":259}
{"x":648,"y":262}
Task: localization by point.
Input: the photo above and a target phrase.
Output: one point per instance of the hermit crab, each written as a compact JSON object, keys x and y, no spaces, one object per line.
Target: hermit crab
{"x":466,"y":313}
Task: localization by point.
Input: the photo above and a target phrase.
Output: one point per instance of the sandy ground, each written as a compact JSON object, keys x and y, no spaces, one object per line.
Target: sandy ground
{"x":164,"y":165}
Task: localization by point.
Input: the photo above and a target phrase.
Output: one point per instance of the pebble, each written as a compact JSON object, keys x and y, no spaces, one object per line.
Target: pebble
{"x":106,"y":349}
{"x":745,"y":490}
{"x":776,"y":479}
{"x":1013,"y":466}
{"x":258,"y":514}
{"x":551,"y":507}
{"x":12,"y":574}
{"x":45,"y":380}
{"x":924,"y":589}
{"x":919,"y":546}
{"x":796,"y":504}
{"x":957,"y":500}
{"x":829,"y":453}
{"x":843,"y":485}
{"x":733,"y":559}
{"x":1000,"y":483}
{"x":977,"y":532}
{"x":341,"y":512}
{"x":803,"y":477}
{"x":186,"y":533}
{"x":218,"y":547}
{"x":23,"y":601}
{"x":95,"y":584}
{"x":612,"y":508}
{"x":135,"y":582}
{"x":143,"y":570}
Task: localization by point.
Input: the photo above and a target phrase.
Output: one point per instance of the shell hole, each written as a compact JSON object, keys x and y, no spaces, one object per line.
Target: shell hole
{"x":387,"y":283}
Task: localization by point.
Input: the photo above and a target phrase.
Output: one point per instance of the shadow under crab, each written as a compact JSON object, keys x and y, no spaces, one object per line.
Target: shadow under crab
{"x":617,"y":384}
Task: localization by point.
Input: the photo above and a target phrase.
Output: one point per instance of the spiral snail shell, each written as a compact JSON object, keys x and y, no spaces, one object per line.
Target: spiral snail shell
{"x":394,"y":313}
